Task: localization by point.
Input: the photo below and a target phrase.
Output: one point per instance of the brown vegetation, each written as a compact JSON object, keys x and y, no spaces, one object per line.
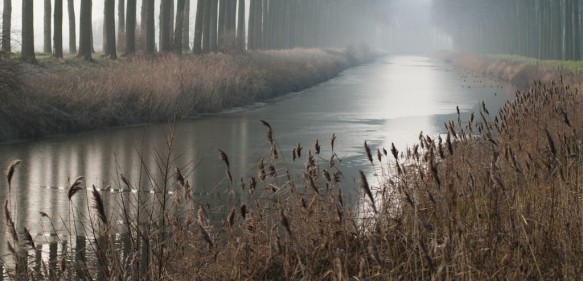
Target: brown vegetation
{"x":521,"y":71}
{"x":495,"y":198}
{"x":65,"y":96}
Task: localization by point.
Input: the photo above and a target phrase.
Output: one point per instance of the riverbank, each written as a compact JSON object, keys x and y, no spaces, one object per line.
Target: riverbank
{"x":495,"y":196}
{"x":57,"y":97}
{"x":520,"y":71}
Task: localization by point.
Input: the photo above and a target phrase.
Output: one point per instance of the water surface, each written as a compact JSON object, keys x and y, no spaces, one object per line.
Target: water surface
{"x":387,"y":101}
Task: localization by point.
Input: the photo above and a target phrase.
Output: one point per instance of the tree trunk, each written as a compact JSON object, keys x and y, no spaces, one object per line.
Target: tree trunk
{"x":72,"y":27}
{"x":179,"y":23}
{"x":258,"y":24}
{"x":121,"y":25}
{"x":85,"y":26}
{"x":241,"y":25}
{"x":232,"y":17}
{"x":141,"y":35}
{"x":576,"y":31}
{"x":206,"y":31}
{"x":58,"y":36}
{"x":214,"y":23}
{"x":150,"y":30}
{"x":198,"y":26}
{"x":264,"y":28}
{"x":28,"y":31}
{"x":93,"y":46}
{"x":109,"y":48}
{"x":251,"y":24}
{"x":222,"y":22}
{"x":171,"y":22}
{"x":186,"y":26}
{"x":131,"y":27}
{"x":165,"y":26}
{"x":6,"y":26}
{"x":48,"y":49}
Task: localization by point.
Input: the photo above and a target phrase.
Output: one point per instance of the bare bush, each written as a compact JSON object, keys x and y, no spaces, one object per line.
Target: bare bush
{"x":9,"y":75}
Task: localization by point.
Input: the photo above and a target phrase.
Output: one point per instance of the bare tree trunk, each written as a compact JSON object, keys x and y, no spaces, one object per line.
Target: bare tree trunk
{"x":58,"y":36}
{"x":47,"y":31}
{"x":171,"y":22}
{"x":241,"y":25}
{"x":251,"y":24}
{"x":6,"y":26}
{"x":85,"y":32}
{"x":214,"y":23}
{"x":179,"y":23}
{"x":576,"y":31}
{"x":150,"y":30}
{"x":186,"y":26}
{"x":222,"y":22}
{"x":109,"y":48}
{"x":206,"y":32}
{"x":165,"y":26}
{"x":28,"y":31}
{"x":258,"y":24}
{"x":121,"y":25}
{"x":232,"y":17}
{"x":198,"y":26}
{"x":264,"y":24}
{"x":143,"y":17}
{"x":92,"y":46}
{"x":72,"y":28}
{"x":131,"y":27}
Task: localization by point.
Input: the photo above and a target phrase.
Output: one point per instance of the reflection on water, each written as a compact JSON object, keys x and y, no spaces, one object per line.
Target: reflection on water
{"x":388,"y":101}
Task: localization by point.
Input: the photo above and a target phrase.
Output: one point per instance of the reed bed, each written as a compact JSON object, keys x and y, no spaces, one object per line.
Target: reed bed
{"x":64,"y":96}
{"x":496,"y":196}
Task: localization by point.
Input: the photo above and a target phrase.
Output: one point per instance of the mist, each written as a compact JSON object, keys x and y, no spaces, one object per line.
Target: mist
{"x":399,"y":26}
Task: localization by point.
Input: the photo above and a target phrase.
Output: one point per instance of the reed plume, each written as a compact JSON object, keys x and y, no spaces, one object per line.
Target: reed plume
{"x":28,"y":238}
{"x":75,"y":187}
{"x":368,"y":153}
{"x":99,"y":206}
{"x":178,"y":177}
{"x":332,"y":140}
{"x":10,"y":171}
{"x":299,"y":150}
{"x":366,"y":188}
{"x":243,"y":209}
{"x":269,"y":131}
{"x":223,"y":156}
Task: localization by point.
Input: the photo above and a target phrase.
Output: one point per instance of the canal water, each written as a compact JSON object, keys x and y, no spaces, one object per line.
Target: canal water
{"x":390,"y":100}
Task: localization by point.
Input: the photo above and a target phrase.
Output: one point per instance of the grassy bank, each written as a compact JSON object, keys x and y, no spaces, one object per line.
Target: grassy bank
{"x":521,"y":71}
{"x":497,"y":197}
{"x":64,"y":96}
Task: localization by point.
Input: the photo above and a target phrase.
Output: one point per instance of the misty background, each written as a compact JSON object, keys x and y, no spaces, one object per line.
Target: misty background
{"x":404,"y":25}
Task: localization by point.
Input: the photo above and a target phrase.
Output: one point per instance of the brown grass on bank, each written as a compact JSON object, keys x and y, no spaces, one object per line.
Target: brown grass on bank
{"x":502,"y":202}
{"x":520,"y":71}
{"x":65,"y":96}
{"x":497,"y":198}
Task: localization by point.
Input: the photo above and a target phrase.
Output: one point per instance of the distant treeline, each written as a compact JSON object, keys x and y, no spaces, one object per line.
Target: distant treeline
{"x":544,"y":29}
{"x":219,"y":25}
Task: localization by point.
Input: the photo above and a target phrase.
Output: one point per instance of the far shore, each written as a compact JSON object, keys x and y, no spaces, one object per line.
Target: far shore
{"x":523,"y":72}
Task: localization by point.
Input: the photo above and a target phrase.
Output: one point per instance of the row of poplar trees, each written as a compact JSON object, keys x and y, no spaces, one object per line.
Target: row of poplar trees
{"x":220,"y":25}
{"x":544,"y":29}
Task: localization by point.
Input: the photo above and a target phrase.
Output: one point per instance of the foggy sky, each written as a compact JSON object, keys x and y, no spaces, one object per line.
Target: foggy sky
{"x":410,"y":27}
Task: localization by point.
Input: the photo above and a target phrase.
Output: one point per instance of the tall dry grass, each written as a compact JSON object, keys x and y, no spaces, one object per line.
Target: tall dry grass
{"x":64,"y":96}
{"x":496,"y":197}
